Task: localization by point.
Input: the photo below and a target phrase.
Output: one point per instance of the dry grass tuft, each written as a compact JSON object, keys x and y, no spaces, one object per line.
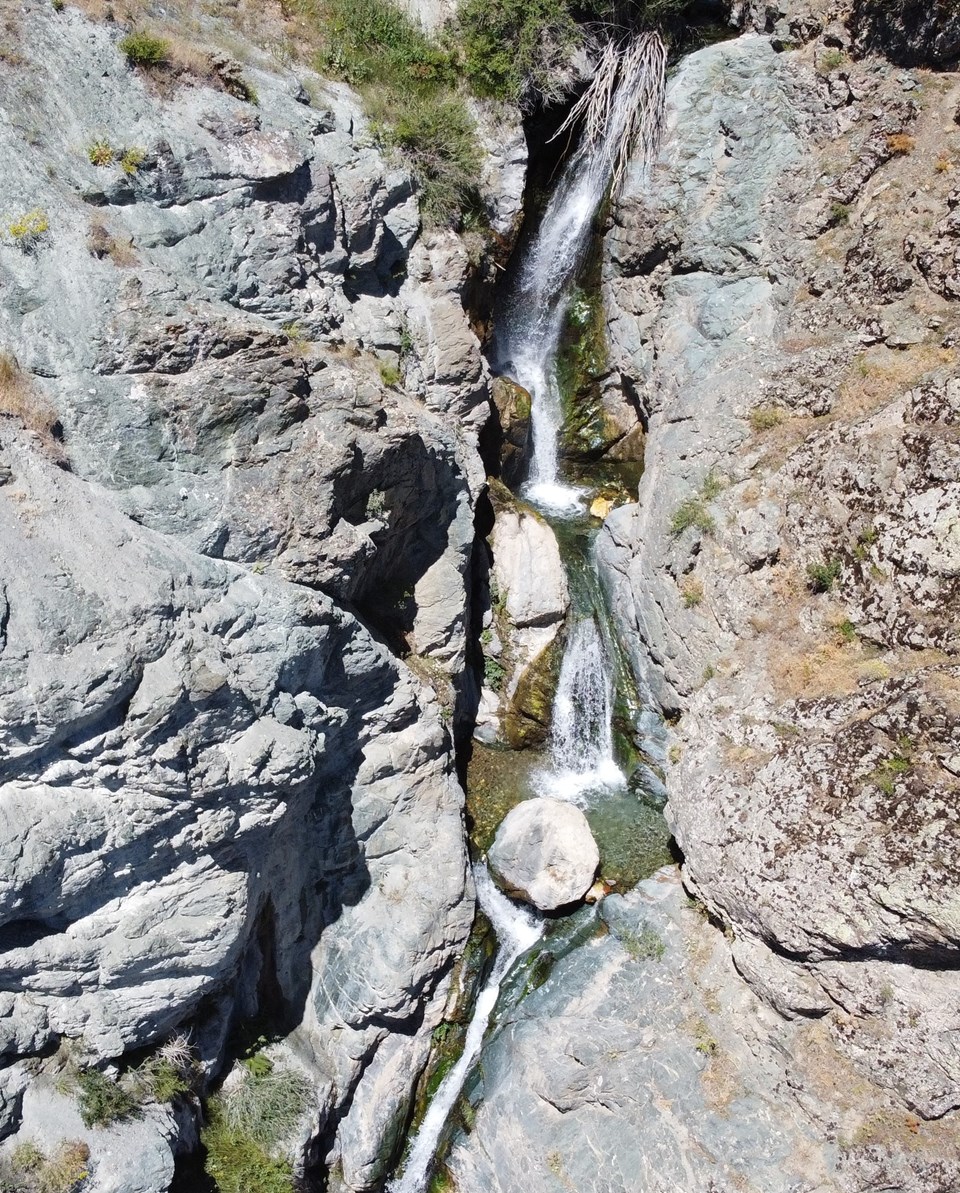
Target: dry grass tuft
{"x":102,"y":243}
{"x":876,"y":379}
{"x":830,"y":669}
{"x":900,"y":143}
{"x":19,"y":400}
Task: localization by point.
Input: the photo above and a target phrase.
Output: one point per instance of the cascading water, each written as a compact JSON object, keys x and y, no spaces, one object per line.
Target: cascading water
{"x":621,"y":110}
{"x":517,"y":930}
{"x":623,"y":106}
{"x":581,"y":740}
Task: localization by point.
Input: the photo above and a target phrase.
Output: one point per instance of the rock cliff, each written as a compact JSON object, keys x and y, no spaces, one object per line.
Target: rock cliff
{"x":781,"y":311}
{"x":238,"y":466}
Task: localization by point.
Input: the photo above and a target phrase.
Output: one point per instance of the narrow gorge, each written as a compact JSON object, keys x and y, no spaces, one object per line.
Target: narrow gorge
{"x":479,"y":596}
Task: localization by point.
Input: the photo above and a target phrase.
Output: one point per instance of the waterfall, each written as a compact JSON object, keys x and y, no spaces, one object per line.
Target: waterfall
{"x":516,"y":930}
{"x":581,"y":737}
{"x":622,"y":107}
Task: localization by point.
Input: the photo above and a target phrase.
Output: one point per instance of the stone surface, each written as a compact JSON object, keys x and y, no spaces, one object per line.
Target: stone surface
{"x":642,"y":1061}
{"x":544,"y":853}
{"x":787,"y":580}
{"x":529,"y":599}
{"x":221,"y":791}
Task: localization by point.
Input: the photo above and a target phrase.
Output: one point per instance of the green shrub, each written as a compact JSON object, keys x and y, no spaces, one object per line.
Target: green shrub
{"x":143,"y":49}
{"x":692,"y":513}
{"x":821,"y":577}
{"x":512,"y":48}
{"x":369,"y":41}
{"x":409,"y":86}
{"x":389,"y":374}
{"x":102,"y":1101}
{"x":265,"y":1106}
{"x":238,"y":1164}
{"x":494,"y":673}
{"x":100,"y":153}
{"x":840,"y":213}
{"x":29,"y":229}
{"x":438,"y":140}
{"x":830,"y":61}
{"x":258,"y":1110}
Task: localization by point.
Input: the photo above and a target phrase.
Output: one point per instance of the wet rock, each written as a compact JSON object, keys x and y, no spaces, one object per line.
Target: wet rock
{"x":529,"y":601}
{"x":545,"y":853}
{"x":512,"y":405}
{"x":646,"y":1062}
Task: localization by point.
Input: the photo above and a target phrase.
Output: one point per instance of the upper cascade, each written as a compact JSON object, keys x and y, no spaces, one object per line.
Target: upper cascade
{"x":621,"y":114}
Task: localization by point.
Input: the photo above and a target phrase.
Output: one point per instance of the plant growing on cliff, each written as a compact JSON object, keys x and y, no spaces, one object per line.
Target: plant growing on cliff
{"x":437,"y":138}
{"x":100,"y":153}
{"x":29,"y":1169}
{"x":692,"y":514}
{"x":409,"y":84}
{"x":144,"y":49}
{"x":104,"y":1101}
{"x":132,"y":159}
{"x":20,"y":400}
{"x":29,"y":230}
{"x":515,"y":49}
{"x":259,"y":1106}
{"x":821,"y":577}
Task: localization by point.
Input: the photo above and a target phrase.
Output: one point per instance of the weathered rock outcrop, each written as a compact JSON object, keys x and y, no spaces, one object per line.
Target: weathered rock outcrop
{"x":787,"y":580}
{"x":643,"y":1061}
{"x":222,"y":794}
{"x":529,"y":599}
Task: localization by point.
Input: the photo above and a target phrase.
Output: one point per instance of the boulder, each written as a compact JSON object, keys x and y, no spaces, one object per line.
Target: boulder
{"x":545,"y":853}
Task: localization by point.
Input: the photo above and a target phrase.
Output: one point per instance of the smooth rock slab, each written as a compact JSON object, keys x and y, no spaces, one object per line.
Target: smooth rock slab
{"x":545,"y":853}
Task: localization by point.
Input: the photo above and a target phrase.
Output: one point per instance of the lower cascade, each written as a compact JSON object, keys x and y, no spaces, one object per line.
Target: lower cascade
{"x":581,"y":740}
{"x":516,"y":930}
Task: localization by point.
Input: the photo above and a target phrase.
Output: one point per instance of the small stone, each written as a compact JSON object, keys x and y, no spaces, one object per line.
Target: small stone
{"x":600,"y":507}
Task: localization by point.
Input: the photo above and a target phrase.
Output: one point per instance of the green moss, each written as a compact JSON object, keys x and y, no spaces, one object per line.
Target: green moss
{"x":526,"y":721}
{"x":642,"y":943}
{"x":581,"y":362}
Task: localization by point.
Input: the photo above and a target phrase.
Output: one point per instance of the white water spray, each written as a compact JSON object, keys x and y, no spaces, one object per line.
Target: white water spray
{"x":516,"y":930}
{"x":581,"y":738}
{"x":622,"y":109}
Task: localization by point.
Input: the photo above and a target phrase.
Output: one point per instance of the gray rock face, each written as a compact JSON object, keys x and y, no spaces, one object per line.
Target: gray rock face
{"x":787,"y":578}
{"x":644,"y":1062}
{"x":529,"y":599}
{"x":218,"y":789}
{"x":545,"y":853}
{"x":211,"y":744}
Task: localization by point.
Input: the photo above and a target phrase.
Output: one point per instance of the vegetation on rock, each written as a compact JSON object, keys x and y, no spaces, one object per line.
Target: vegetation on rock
{"x":29,"y":1169}
{"x":144,"y":49}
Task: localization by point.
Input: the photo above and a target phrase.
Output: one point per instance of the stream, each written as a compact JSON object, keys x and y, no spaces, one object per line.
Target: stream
{"x":581,"y":764}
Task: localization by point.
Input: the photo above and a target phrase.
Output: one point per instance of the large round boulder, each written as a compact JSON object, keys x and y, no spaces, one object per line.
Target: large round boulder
{"x":544,"y":853}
